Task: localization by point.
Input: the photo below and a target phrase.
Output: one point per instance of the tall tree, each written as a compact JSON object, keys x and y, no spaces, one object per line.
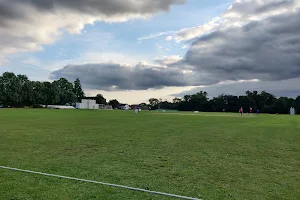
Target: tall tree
{"x":100,"y":99}
{"x":297,"y":102}
{"x":79,"y":94}
{"x":154,"y":103}
{"x":10,"y":89}
{"x":280,"y":106}
{"x":39,"y":93}
{"x":26,"y":90}
{"x":114,"y":103}
{"x":66,"y":91}
{"x":51,"y":92}
{"x":177,"y":100}
{"x":187,"y":98}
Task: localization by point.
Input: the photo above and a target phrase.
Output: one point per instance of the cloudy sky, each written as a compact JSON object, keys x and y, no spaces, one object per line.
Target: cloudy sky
{"x":136,"y":49}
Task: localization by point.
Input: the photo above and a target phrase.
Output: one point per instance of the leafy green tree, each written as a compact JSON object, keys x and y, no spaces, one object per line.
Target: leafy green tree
{"x":280,"y":106}
{"x":100,"y":99}
{"x":66,"y":91}
{"x":79,"y":94}
{"x":51,"y":92}
{"x":199,"y":100}
{"x":154,"y":103}
{"x":187,"y":98}
{"x":11,"y":94}
{"x":38,"y":93}
{"x":220,"y":103}
{"x":114,"y":103}
{"x":297,"y":102}
{"x":267,"y":98}
{"x":26,"y":91}
{"x":177,"y":100}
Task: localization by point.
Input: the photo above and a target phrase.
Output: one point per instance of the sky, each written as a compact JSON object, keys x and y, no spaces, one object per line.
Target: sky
{"x":133,"y":50}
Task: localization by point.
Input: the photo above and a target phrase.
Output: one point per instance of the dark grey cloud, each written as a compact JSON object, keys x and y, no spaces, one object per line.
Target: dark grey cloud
{"x":109,"y":76}
{"x":107,"y":7}
{"x":267,"y":50}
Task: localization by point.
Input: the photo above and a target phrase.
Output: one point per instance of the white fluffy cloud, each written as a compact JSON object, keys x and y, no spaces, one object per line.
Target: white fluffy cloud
{"x":168,"y":38}
{"x":239,"y":14}
{"x":27,"y":25}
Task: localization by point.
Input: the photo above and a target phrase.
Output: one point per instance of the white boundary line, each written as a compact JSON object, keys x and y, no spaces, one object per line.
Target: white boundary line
{"x":102,"y":183}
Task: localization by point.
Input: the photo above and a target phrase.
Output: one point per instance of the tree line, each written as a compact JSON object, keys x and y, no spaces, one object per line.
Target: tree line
{"x":19,"y":91}
{"x":264,"y":102}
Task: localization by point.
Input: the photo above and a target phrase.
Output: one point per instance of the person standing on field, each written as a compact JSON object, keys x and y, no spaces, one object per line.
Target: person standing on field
{"x":250,"y":111}
{"x":241,"y":111}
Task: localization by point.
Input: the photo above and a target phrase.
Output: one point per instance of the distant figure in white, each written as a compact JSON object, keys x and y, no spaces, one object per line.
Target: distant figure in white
{"x":250,"y":110}
{"x":292,"y":111}
{"x":137,"y":109}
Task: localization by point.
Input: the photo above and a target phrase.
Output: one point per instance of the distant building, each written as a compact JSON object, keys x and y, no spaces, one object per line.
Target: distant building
{"x":87,"y":104}
{"x":105,"y":107}
{"x":124,"y":107}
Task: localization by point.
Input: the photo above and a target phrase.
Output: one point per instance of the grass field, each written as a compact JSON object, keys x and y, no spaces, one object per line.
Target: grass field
{"x":198,"y":155}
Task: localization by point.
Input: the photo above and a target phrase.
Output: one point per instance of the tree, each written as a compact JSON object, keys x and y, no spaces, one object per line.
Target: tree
{"x":198,"y":101}
{"x":266,"y":99}
{"x":66,"y":91}
{"x":11,"y":94}
{"x":25,"y":91}
{"x":39,"y":93}
{"x":253,"y":99}
{"x":51,"y":92}
{"x":297,"y":102}
{"x":176,"y":100}
{"x":79,"y":94}
{"x":228,"y":102}
{"x":187,"y":98}
{"x":280,"y":106}
{"x":244,"y":102}
{"x":154,"y":103}
{"x":220,"y":103}
{"x":114,"y":103}
{"x":19,"y":91}
{"x":100,"y":99}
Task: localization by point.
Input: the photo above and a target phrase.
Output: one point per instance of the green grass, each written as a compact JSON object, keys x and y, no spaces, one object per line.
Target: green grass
{"x":197,"y":155}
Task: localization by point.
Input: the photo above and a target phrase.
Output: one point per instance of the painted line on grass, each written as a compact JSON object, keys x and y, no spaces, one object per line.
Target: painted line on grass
{"x":101,"y":183}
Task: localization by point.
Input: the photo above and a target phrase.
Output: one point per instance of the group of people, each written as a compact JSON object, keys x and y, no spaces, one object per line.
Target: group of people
{"x":241,"y":111}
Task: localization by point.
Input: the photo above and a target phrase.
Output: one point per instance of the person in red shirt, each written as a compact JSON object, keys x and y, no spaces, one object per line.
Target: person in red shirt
{"x":250,"y":111}
{"x":241,"y":111}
